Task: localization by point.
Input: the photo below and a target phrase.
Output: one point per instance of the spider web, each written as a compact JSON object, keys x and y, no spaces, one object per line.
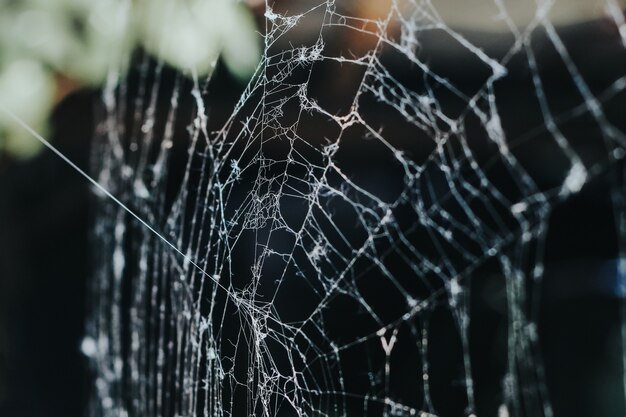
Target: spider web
{"x":331,"y":230}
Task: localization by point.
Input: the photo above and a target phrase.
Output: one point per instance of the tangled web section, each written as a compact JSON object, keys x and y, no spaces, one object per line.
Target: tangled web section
{"x":341,"y":216}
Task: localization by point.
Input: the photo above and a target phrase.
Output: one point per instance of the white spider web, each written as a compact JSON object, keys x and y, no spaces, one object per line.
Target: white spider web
{"x":330,"y":229}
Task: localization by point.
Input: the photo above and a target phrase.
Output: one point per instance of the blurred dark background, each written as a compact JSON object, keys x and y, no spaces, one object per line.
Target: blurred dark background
{"x":43,"y":272}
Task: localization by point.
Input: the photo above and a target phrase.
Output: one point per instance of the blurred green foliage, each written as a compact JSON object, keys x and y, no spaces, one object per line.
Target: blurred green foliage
{"x":45,"y":43}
